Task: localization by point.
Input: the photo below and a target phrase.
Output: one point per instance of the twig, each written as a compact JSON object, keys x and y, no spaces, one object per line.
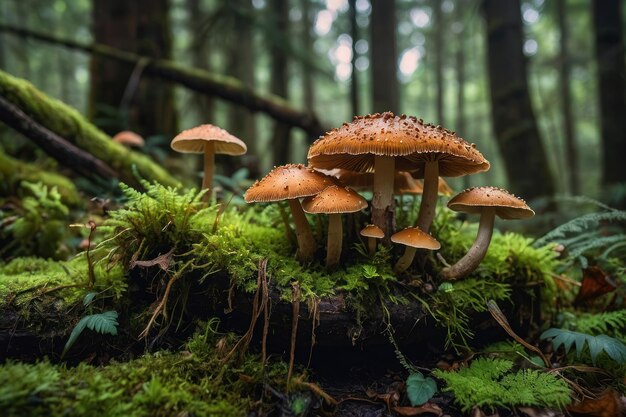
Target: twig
{"x":295,"y":308}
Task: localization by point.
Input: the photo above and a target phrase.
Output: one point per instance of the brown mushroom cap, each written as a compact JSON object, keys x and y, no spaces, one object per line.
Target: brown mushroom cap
{"x":415,"y":238}
{"x":507,"y":205}
{"x":354,"y":145}
{"x":372,"y":230}
{"x":288,"y":182}
{"x":128,"y":138}
{"x":193,"y":141}
{"x":334,"y":199}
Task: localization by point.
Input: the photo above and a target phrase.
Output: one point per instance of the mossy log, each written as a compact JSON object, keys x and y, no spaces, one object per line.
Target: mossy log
{"x":225,"y":87}
{"x":12,"y":171}
{"x":69,"y":124}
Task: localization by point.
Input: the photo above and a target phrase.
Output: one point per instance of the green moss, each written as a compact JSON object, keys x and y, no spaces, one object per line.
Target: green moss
{"x":71,"y":125}
{"x":490,"y":383}
{"x":191,"y":382}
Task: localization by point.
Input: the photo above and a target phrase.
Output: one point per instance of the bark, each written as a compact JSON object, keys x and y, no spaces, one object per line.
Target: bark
{"x":225,"y":87}
{"x":67,"y":154}
{"x":460,"y":77}
{"x":439,"y":54}
{"x":204,"y":105}
{"x":514,"y":123}
{"x":67,"y":123}
{"x":609,"y":41}
{"x":280,"y":76}
{"x":307,"y":43}
{"x":144,"y":106}
{"x":354,"y":78}
{"x":384,"y":56}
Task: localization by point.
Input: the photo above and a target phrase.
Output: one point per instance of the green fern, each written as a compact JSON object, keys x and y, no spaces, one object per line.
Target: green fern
{"x":612,"y":323}
{"x":581,"y":224}
{"x":489,"y":383}
{"x":103,"y":323}
{"x":615,"y":349}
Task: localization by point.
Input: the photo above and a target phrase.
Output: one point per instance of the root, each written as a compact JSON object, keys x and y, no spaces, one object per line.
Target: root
{"x":295,"y":305}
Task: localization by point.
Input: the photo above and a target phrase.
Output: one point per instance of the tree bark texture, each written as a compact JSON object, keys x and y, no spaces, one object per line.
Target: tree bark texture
{"x":514,"y":122}
{"x":225,"y":87}
{"x":145,"y":106}
{"x":384,"y":57}
{"x":609,"y":41}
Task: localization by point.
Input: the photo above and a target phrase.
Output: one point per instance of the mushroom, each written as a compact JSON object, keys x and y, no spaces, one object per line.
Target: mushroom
{"x":208,"y":140}
{"x":489,"y":202}
{"x":334,"y":201}
{"x":128,"y":138}
{"x":292,"y":182}
{"x":372,"y":232}
{"x":413,"y":238}
{"x":385,"y":144}
{"x":417,"y":187}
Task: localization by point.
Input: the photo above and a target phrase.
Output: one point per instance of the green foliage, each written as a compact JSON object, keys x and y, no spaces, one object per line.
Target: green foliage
{"x":612,"y":323}
{"x":37,"y":226}
{"x":615,"y":349}
{"x":103,"y":323}
{"x":490,"y":382}
{"x":419,"y":388}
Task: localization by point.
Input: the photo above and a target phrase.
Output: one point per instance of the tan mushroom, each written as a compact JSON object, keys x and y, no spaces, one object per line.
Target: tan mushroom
{"x":128,"y":138}
{"x":334,"y":201}
{"x":413,"y":238}
{"x":208,"y":140}
{"x":385,"y":144}
{"x":489,"y":202}
{"x":292,"y":182}
{"x":372,"y":233}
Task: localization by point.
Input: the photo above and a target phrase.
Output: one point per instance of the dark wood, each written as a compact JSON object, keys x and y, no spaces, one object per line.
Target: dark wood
{"x":225,"y":87}
{"x":384,"y":57}
{"x":354,"y":78}
{"x":64,"y":152}
{"x":514,"y":122}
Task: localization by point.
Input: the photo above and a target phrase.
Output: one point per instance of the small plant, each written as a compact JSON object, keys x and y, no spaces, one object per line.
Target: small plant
{"x":419,"y":388}
{"x":595,"y":345}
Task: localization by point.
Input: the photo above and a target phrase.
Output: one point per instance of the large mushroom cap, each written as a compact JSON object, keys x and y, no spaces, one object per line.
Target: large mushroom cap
{"x":354,"y":145}
{"x":372,"y":230}
{"x":334,"y":199}
{"x":415,"y":238}
{"x":507,"y":205}
{"x":193,"y":141}
{"x":288,"y":182}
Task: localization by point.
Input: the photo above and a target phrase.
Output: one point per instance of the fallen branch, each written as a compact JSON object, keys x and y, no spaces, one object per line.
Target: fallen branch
{"x":225,"y":87}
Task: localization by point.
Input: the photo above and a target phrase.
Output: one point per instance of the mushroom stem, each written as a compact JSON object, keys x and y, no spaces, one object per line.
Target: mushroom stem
{"x":335,"y":236}
{"x":382,"y":200}
{"x":306,"y":242}
{"x":429,"y":196}
{"x":405,"y":260}
{"x":209,"y":165}
{"x":475,"y":255}
{"x":371,"y":245}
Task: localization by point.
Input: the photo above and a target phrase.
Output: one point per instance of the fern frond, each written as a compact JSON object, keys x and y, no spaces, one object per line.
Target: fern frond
{"x":581,"y":224}
{"x":612,"y":323}
{"x":615,"y":349}
{"x":103,"y":323}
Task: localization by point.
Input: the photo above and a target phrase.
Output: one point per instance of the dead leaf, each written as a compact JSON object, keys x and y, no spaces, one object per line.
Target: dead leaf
{"x":163,"y":261}
{"x":595,"y":283}
{"x":607,"y":404}
{"x":416,"y":411}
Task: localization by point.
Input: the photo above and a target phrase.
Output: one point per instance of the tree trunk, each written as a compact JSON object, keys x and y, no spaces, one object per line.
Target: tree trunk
{"x":460,"y":77}
{"x":439,"y":25}
{"x":307,"y":44}
{"x":513,"y":119}
{"x":384,"y":56}
{"x":142,"y":105}
{"x":609,"y":40}
{"x":280,"y":76}
{"x":204,"y":105}
{"x":354,"y":78}
{"x":571,"y":151}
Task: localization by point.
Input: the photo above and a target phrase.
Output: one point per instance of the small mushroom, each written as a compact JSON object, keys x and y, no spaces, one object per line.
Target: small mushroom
{"x":128,"y":138}
{"x":372,"y":232}
{"x":413,"y":238}
{"x":292,"y":182}
{"x":489,"y":202}
{"x":208,"y":140}
{"x":334,"y":201}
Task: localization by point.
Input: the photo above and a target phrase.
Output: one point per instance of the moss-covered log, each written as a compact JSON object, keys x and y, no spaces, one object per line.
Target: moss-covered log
{"x":13,"y":171}
{"x":225,"y":87}
{"x":68,"y":123}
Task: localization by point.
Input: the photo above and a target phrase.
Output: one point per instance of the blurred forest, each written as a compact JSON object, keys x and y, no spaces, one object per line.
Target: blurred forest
{"x":538,"y":85}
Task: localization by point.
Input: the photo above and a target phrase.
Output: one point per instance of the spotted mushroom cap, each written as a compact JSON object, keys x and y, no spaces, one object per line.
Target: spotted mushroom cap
{"x":415,"y":238}
{"x":507,"y":205}
{"x":334,"y":199}
{"x":354,"y":145}
{"x":286,"y":183}
{"x":193,"y":141}
{"x":371,"y":230}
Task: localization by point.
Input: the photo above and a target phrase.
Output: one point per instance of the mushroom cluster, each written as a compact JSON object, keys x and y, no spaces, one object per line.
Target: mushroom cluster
{"x":387,"y":155}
